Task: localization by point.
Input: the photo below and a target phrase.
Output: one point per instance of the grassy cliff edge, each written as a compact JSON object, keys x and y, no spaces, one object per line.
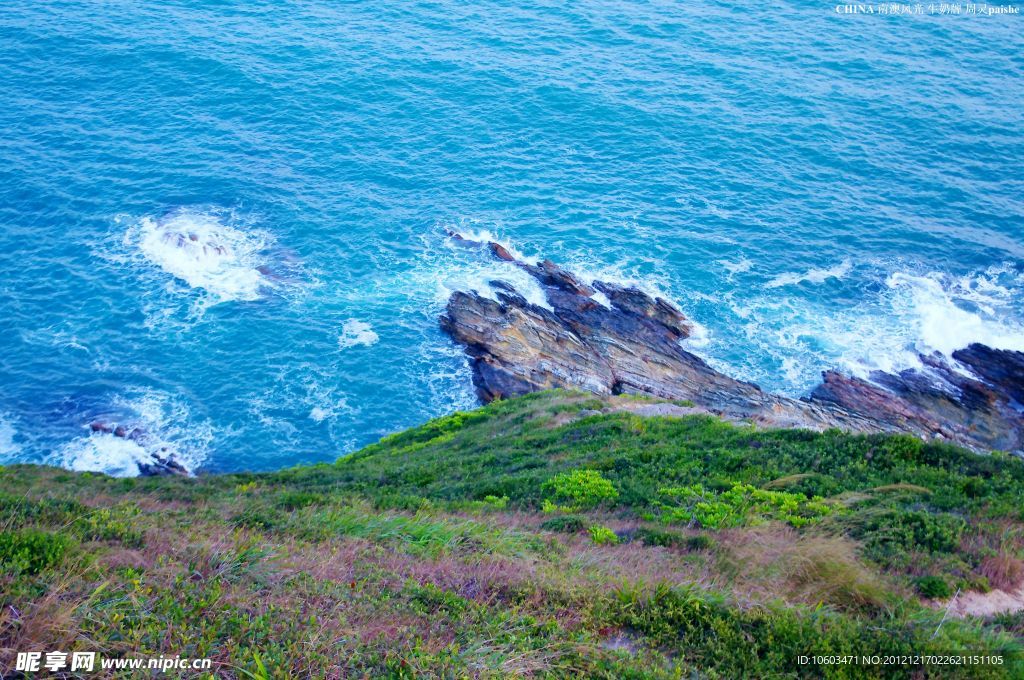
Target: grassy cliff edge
{"x":556,"y":534}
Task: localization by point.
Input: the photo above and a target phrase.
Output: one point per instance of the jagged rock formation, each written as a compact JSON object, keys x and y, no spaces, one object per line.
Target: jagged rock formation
{"x":632,"y":346}
{"x":978,"y":405}
{"x":160,"y":461}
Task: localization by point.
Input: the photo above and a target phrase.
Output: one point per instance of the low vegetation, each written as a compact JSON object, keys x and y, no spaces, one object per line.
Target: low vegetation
{"x":530,"y":538}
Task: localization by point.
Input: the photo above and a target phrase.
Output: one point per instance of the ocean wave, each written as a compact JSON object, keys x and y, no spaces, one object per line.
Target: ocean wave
{"x":811,"y":275}
{"x":207,"y":250}
{"x":908,"y":313}
{"x":355,"y":332}
{"x":447,"y":377}
{"x":449,"y":265}
{"x":165,"y":427}
{"x":302,"y":391}
{"x":738,"y":267}
{"x":103,"y":452}
{"x":700,"y":336}
{"x":951,"y":312}
{"x":9,"y":448}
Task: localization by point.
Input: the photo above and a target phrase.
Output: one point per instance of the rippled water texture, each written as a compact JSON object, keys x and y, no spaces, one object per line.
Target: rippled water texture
{"x":223,"y":223}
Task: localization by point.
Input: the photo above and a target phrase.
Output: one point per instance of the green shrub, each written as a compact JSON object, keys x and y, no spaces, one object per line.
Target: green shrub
{"x":724,"y":640}
{"x":1012,"y":622}
{"x":564,"y":524}
{"x":899,"y":448}
{"x":933,"y":587}
{"x":296,"y":500}
{"x":700,"y":542}
{"x":891,"y":534}
{"x":402,"y":501}
{"x":111,"y":524}
{"x":443,"y":428}
{"x":257,"y":518}
{"x":602,"y":535}
{"x":740,"y":505}
{"x":433,"y":599}
{"x":30,"y":551}
{"x":495,"y":502}
{"x":578,"y":490}
{"x":658,"y":537}
{"x":18,"y":510}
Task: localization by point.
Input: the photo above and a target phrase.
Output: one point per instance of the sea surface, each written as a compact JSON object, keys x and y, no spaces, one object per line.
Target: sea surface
{"x":224,"y":222}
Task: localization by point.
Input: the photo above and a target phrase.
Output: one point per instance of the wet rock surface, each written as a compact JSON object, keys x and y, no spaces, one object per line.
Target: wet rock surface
{"x":161,"y":461}
{"x":632,"y":345}
{"x":971,"y":399}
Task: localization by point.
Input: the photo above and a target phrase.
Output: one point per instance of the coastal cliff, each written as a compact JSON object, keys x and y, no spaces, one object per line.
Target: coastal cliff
{"x":554,"y":535}
{"x":610,"y":339}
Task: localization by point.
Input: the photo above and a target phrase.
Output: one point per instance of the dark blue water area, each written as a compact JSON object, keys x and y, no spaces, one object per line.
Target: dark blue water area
{"x":224,"y":223}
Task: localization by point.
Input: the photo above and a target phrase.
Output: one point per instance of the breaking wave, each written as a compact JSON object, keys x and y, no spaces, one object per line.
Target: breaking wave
{"x":9,"y":448}
{"x":207,"y":251}
{"x":162,"y":426}
{"x":903,"y":313}
{"x":810,"y":276}
{"x":355,"y":333}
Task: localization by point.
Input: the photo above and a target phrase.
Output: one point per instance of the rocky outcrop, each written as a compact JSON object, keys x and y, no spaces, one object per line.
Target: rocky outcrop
{"x":159,"y":461}
{"x":973,"y":400}
{"x":612,"y":339}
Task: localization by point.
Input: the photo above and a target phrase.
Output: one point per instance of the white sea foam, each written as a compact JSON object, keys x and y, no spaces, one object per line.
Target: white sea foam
{"x":700,"y":336}
{"x":355,"y":332}
{"x":201,"y":248}
{"x":447,"y":378}
{"x":9,"y":448}
{"x":790,"y":370}
{"x":948,"y":313}
{"x":168,"y":431}
{"x":480,"y":235}
{"x":921,"y":313}
{"x":602,"y":299}
{"x":304,"y":390}
{"x":455,"y":267}
{"x":738,"y":267}
{"x":811,"y":275}
{"x":102,"y":452}
{"x":328,"y":406}
{"x":912,"y":312}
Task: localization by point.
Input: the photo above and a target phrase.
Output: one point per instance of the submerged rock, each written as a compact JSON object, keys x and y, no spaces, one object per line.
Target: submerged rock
{"x":632,"y":346}
{"x":160,"y":461}
{"x":162,"y":467}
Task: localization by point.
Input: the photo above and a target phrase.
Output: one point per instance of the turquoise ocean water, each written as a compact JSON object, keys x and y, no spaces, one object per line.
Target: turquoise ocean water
{"x":816,"y":190}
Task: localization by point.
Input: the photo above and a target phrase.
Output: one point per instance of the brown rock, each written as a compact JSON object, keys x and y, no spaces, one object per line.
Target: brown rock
{"x":516,"y":348}
{"x":501,"y":252}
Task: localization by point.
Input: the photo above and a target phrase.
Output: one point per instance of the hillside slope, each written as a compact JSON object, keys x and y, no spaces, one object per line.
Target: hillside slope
{"x":557,"y":534}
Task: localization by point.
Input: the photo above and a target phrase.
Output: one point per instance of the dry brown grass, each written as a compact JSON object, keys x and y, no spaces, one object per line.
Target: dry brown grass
{"x":811,"y":568}
{"x":902,"y":488}
{"x":788,"y":480}
{"x":47,"y":622}
{"x":1003,"y":571}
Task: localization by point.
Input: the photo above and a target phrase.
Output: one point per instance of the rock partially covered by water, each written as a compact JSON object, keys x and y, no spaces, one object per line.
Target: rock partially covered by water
{"x":632,"y":345}
{"x":973,"y":400}
{"x":162,"y":467}
{"x":154,"y":459}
